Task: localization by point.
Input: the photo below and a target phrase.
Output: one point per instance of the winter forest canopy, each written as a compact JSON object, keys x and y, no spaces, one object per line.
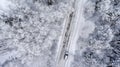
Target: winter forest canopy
{"x":38,"y":33}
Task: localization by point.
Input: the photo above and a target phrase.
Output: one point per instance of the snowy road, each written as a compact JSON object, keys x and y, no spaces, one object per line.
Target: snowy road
{"x":63,"y":42}
{"x":75,"y":30}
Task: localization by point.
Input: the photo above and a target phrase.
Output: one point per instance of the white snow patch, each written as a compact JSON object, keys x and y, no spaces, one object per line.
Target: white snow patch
{"x":86,"y":27}
{"x":5,"y":5}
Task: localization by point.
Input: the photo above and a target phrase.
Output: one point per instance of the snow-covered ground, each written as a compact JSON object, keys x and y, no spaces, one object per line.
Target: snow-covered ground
{"x":5,"y":6}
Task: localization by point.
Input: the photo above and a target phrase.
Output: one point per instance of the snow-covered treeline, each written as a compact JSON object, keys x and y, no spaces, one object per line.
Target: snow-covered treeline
{"x":102,"y":47}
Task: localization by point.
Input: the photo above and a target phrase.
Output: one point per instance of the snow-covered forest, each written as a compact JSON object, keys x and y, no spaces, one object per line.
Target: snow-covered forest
{"x":59,"y":33}
{"x":102,"y":47}
{"x":30,"y":31}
